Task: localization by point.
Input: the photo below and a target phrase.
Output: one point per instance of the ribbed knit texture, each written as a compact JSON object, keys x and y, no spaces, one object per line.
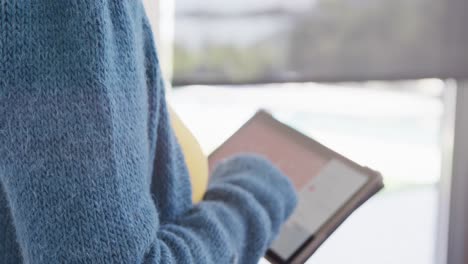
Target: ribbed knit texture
{"x":90,"y":171}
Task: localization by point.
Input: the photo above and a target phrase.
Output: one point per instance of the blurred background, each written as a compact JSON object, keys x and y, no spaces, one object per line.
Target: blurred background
{"x":375,"y":80}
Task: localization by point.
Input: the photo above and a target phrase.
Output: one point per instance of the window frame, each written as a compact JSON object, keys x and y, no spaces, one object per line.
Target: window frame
{"x":452,"y":229}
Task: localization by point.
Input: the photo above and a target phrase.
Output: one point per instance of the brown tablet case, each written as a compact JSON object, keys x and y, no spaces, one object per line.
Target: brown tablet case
{"x":300,"y":158}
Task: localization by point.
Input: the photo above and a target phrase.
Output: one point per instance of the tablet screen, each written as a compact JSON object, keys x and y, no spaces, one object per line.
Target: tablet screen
{"x":319,"y":199}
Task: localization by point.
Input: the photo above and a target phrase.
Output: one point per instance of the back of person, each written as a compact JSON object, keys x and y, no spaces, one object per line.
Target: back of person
{"x":90,"y":170}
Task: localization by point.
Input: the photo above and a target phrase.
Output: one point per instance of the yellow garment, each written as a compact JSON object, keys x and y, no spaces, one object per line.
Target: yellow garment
{"x":196,"y":160}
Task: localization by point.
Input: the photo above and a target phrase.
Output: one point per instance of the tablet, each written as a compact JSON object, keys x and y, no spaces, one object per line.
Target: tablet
{"x":330,"y":186}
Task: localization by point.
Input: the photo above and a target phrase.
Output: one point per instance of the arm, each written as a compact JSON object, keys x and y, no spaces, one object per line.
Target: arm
{"x":77,"y":193}
{"x":74,"y":149}
{"x":239,"y":216}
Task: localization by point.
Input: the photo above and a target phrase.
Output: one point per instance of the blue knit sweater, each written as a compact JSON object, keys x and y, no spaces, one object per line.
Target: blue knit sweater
{"x":90,"y":171}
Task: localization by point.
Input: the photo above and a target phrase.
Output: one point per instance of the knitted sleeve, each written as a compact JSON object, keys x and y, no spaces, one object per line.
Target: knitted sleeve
{"x":76,"y":144}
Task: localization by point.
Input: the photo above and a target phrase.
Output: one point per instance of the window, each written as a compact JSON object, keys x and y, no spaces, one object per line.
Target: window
{"x":292,"y":50}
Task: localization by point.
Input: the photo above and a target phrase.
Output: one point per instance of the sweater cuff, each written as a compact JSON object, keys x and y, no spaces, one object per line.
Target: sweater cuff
{"x":257,"y":175}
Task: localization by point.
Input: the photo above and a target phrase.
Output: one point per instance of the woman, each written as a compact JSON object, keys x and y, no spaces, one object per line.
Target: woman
{"x":90,"y":170}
